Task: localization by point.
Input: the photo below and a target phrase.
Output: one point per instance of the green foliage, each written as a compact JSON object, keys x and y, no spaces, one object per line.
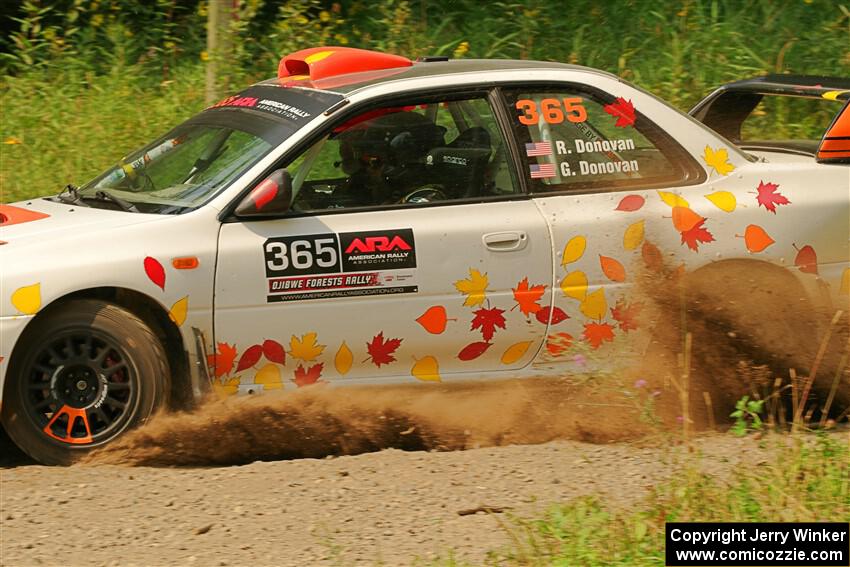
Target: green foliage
{"x":808,"y":480}
{"x":747,"y":416}
{"x":87,"y":81}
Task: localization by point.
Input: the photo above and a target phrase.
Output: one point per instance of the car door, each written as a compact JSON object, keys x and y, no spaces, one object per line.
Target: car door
{"x":614,"y":188}
{"x":409,"y":253}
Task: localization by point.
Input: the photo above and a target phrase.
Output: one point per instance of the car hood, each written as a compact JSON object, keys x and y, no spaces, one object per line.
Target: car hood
{"x":33,"y":222}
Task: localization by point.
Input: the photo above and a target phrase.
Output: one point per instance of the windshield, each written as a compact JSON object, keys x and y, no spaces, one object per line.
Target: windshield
{"x":182,"y":169}
{"x":198,"y":159}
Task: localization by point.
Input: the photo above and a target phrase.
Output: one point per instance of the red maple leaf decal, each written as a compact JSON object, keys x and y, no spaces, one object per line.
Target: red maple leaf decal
{"x":222,"y":360}
{"x":308,"y":376}
{"x":696,"y":235}
{"x":551,"y":315}
{"x":487,"y":320}
{"x":626,"y":314}
{"x":624,"y":110}
{"x":381,"y":351}
{"x":597,"y":333}
{"x":249,"y":358}
{"x":527,"y":298}
{"x":769,"y":198}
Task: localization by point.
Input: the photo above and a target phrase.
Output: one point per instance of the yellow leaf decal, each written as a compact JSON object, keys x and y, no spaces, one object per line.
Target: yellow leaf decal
{"x":227,"y":389}
{"x":723,"y":200}
{"x":718,"y":160}
{"x":833,"y":95}
{"x":845,"y":282}
{"x":474,"y":287}
{"x":573,"y":250}
{"x":594,"y":305}
{"x":306,"y":348}
{"x":343,"y":359}
{"x":179,"y":310}
{"x":673,"y":200}
{"x":633,"y":236}
{"x":426,"y":368}
{"x":574,"y":285}
{"x":515,"y":352}
{"x":269,"y":377}
{"x":27,"y":299}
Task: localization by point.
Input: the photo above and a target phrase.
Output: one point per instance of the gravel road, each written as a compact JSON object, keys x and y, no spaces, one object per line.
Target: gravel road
{"x":391,"y":507}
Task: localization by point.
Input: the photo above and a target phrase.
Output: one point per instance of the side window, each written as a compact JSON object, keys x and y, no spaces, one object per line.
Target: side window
{"x":424,"y":152}
{"x":574,"y":139}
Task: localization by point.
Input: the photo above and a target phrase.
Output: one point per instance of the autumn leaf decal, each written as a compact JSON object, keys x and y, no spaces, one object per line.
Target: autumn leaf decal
{"x":527,"y":297}
{"x":696,"y":235}
{"x":630,"y":203}
{"x":249,"y":358}
{"x":381,"y":350}
{"x":306,"y":348}
{"x":487,"y":320}
{"x":626,"y":315}
{"x":308,"y":376}
{"x":155,"y":272}
{"x":806,"y":259}
{"x":551,"y":315}
{"x":274,"y":352}
{"x":473,"y":350}
{"x":434,"y":319}
{"x":598,"y":333}
{"x":718,"y":160}
{"x":558,"y":343}
{"x":769,"y":198}
{"x":623,"y":110}
{"x":474,"y":287}
{"x":222,"y":360}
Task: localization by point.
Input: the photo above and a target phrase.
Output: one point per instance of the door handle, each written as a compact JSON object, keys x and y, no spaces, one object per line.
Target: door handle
{"x":505,"y":241}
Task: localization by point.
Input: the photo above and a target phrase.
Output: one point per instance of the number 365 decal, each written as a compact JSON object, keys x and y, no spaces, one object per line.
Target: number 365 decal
{"x":552,"y":110}
{"x":329,"y":253}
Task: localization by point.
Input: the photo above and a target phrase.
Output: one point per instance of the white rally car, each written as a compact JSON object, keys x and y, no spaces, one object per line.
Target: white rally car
{"x":366,"y":219}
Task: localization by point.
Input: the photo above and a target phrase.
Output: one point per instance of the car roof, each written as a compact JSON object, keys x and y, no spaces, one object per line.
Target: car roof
{"x":422,"y":68}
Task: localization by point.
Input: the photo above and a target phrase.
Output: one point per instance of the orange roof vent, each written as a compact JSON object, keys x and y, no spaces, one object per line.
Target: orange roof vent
{"x":322,"y":62}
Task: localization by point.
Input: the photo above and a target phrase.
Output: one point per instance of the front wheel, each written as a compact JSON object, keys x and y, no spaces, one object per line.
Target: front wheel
{"x":85,"y":373}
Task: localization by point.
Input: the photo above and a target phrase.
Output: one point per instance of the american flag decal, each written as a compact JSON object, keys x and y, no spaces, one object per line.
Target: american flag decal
{"x":538,"y":149}
{"x":542,"y":171}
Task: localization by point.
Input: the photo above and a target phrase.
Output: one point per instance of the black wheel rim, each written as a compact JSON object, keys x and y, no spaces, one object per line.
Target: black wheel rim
{"x":81,"y":388}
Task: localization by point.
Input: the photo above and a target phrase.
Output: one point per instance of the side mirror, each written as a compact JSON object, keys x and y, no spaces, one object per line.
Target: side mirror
{"x":271,"y":197}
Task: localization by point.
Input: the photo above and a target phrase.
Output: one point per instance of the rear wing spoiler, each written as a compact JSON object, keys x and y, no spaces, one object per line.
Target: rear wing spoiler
{"x":725,"y":109}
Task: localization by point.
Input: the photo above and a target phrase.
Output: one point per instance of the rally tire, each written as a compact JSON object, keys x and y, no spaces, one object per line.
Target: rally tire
{"x":85,"y":373}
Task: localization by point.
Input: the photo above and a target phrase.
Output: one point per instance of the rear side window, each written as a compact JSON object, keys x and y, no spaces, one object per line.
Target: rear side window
{"x":575,"y":140}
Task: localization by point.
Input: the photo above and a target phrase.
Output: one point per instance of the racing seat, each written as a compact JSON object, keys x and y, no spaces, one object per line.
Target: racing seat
{"x":461,"y":165}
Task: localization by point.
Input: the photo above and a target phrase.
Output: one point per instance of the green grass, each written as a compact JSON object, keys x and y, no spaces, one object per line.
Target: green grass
{"x":808,"y":480}
{"x":78,"y":106}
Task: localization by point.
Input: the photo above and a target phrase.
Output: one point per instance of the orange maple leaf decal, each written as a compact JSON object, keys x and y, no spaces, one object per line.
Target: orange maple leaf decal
{"x":381,"y":351}
{"x":559,"y":342}
{"x":769,"y":198}
{"x":623,"y":110}
{"x":308,"y":376}
{"x":696,"y":235}
{"x":597,"y":333}
{"x":626,"y":315}
{"x":527,"y":298}
{"x":222,"y":360}
{"x":487,"y":320}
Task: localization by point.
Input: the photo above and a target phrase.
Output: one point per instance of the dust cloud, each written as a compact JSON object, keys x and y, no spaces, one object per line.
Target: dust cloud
{"x":748,"y":325}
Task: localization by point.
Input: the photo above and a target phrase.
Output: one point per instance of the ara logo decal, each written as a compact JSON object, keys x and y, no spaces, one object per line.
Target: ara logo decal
{"x":378,"y":250}
{"x":377,"y":244}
